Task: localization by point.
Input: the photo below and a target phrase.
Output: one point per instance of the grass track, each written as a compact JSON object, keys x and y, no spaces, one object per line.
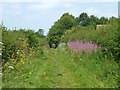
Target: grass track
{"x":55,"y":69}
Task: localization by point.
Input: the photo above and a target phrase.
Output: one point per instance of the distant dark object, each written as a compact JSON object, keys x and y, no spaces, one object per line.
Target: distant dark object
{"x":53,"y":45}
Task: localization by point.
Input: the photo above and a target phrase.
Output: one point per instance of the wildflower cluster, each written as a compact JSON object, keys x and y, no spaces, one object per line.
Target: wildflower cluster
{"x":80,"y":47}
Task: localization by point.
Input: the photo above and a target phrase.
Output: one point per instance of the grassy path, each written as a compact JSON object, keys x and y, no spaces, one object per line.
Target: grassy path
{"x":54,"y":69}
{"x":58,"y":71}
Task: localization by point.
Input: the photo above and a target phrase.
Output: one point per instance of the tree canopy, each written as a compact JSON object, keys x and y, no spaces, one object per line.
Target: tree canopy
{"x":57,"y":30}
{"x":40,"y":33}
{"x":67,"y":21}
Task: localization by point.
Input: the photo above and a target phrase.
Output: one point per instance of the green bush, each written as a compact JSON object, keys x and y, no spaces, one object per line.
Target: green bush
{"x":57,"y":30}
{"x":107,"y":37}
{"x":33,"y":40}
{"x":14,"y":43}
{"x":42,"y":41}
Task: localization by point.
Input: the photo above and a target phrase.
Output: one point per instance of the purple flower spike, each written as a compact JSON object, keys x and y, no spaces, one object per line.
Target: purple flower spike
{"x":78,"y":47}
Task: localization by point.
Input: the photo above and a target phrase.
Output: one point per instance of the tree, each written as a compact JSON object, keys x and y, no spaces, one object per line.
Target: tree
{"x":94,"y":20}
{"x":111,"y":19}
{"x":33,"y":40}
{"x":103,"y":20}
{"x":83,"y":19}
{"x":66,"y":22}
{"x":40,"y":33}
{"x":58,"y":29}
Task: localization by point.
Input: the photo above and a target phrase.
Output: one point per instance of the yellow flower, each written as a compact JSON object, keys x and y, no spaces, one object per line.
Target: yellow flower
{"x":22,"y":62}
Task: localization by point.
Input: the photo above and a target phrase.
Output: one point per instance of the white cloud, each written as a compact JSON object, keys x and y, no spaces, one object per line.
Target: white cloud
{"x":99,"y":13}
{"x":0,"y":13}
{"x":17,"y":12}
{"x":0,"y":10}
{"x":86,"y":1}
{"x":91,"y":11}
{"x":110,"y":14}
{"x":75,"y":11}
{"x":18,"y":0}
{"x":40,"y":6}
{"x":16,"y":6}
{"x":12,"y":8}
{"x":41,"y":1}
{"x":67,"y":5}
{"x":47,"y":5}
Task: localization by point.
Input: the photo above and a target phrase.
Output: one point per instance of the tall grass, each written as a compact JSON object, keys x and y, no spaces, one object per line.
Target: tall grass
{"x":97,"y":65}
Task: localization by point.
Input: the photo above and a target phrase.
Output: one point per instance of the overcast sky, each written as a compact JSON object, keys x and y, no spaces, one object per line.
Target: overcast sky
{"x":35,"y":14}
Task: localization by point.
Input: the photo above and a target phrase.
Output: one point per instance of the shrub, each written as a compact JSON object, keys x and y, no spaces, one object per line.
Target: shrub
{"x":58,"y":29}
{"x":107,"y":37}
{"x":14,"y":45}
{"x":33,"y":40}
{"x":42,"y":41}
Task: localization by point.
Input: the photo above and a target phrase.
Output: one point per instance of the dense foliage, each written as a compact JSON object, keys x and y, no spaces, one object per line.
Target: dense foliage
{"x":107,"y":37}
{"x":40,"y":33}
{"x":85,"y":56}
{"x":68,"y":24}
{"x":33,"y":41}
{"x":18,"y":43}
{"x":85,"y":29}
{"x":57,"y":30}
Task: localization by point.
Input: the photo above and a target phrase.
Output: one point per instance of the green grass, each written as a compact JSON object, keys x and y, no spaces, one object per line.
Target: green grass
{"x":57,"y":69}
